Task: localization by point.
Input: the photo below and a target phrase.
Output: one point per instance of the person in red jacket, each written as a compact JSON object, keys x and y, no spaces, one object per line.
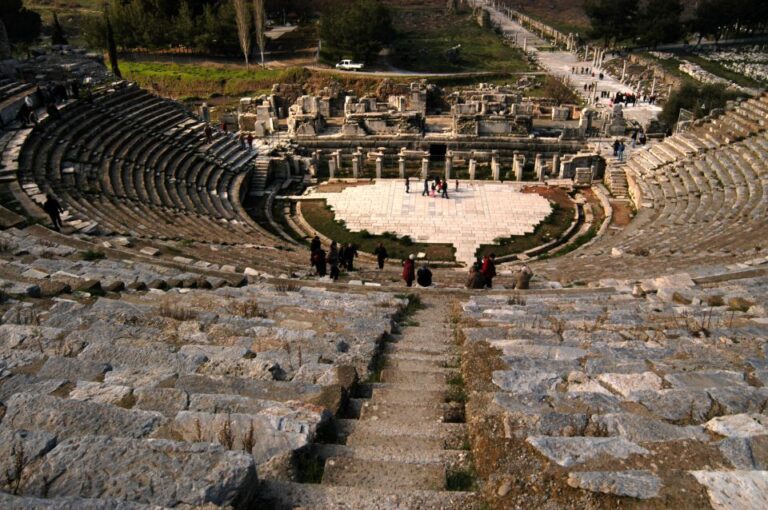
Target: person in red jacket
{"x":488,"y":269}
{"x":409,"y":270}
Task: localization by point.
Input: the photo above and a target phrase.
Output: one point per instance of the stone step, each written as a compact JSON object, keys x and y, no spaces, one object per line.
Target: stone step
{"x":435,"y":366}
{"x":396,"y":375}
{"x":393,"y":452}
{"x":353,"y":472}
{"x":372,"y":410}
{"x":413,"y":348}
{"x":407,"y":393}
{"x":394,"y":428}
{"x":440,"y":359}
{"x":289,"y":495}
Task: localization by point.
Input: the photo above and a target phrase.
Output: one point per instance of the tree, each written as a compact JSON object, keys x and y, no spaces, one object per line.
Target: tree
{"x":243,"y":20}
{"x":260,"y":27}
{"x":660,"y":22}
{"x":5,"y":45}
{"x":57,"y":32}
{"x":555,"y":89}
{"x":22,"y":25}
{"x":184,"y":26}
{"x":711,"y":18}
{"x":357,"y":30}
{"x":699,"y":99}
{"x":111,"y":47}
{"x":611,"y":20}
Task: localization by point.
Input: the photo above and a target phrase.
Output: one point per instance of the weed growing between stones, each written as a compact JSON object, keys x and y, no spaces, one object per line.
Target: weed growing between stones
{"x":287,"y":287}
{"x":460,"y":479}
{"x":249,"y":439}
{"x":5,"y":246}
{"x":92,"y":255}
{"x":14,"y":478}
{"x":226,"y":436}
{"x":557,"y":326}
{"x":249,"y":309}
{"x":176,"y":312}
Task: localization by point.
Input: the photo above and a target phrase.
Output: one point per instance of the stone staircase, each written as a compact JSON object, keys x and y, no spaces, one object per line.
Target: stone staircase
{"x":402,"y":452}
{"x":616,"y":181}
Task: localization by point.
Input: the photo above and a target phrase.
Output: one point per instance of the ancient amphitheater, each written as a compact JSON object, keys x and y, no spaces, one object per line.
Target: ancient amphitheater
{"x":170,"y":348}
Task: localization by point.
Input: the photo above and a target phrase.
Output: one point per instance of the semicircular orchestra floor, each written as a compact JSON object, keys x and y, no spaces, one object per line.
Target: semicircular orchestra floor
{"x":476,"y":214}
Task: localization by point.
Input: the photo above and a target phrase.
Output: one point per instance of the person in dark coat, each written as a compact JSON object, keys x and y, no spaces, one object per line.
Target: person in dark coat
{"x":488,"y":269}
{"x":407,"y":185}
{"x":333,"y":261}
{"x":409,"y":273}
{"x":426,"y":188}
{"x":313,"y":247}
{"x":319,"y":259}
{"x":208,"y":130}
{"x":54,"y":210}
{"x":350,"y":252}
{"x":424,"y":276}
{"x":381,"y":255}
{"x":445,"y":189}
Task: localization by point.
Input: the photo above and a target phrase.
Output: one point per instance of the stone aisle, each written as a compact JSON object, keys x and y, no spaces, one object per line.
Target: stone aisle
{"x":401,"y":453}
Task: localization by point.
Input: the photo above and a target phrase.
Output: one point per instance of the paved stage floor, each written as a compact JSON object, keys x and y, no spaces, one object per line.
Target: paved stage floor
{"x":479,"y":213}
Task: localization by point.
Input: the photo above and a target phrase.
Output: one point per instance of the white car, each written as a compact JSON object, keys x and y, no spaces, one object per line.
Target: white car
{"x":348,"y":65}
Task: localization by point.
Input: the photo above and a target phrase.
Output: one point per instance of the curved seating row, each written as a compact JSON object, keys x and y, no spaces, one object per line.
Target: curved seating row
{"x":131,"y":163}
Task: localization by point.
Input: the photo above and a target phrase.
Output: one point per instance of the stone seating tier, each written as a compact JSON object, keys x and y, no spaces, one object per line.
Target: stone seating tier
{"x":132,"y":163}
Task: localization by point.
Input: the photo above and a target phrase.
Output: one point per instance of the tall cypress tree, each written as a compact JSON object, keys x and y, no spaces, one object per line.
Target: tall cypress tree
{"x":57,"y":33}
{"x":112,"y":47}
{"x":5,"y":45}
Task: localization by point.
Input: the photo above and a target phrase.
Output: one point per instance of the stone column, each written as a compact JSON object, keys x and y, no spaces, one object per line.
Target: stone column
{"x":495,"y":165}
{"x":586,"y":54}
{"x":472,"y":169}
{"x":525,"y":44}
{"x":653,"y":85}
{"x":401,"y":166}
{"x":337,"y":157}
{"x":448,"y":165}
{"x":538,"y":167}
{"x":556,"y":165}
{"x":379,"y":166}
{"x":518,"y":164}
{"x":357,"y":164}
{"x":424,"y":168}
{"x":332,"y":168}
{"x":624,"y":71}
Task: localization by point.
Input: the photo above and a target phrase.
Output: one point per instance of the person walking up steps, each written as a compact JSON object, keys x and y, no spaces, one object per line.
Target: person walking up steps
{"x":381,"y":255}
{"x":488,"y":269}
{"x":54,"y":210}
{"x":333,"y":260}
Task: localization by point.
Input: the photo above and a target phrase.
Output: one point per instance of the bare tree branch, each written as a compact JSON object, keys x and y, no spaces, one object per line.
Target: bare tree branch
{"x":243,"y":19}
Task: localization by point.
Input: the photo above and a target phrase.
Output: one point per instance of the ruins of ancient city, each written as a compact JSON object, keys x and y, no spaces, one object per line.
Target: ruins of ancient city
{"x":383,"y":254}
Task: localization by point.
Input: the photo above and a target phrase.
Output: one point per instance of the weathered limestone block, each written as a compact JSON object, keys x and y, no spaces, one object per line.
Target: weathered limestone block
{"x":275,"y":430}
{"x":25,"y":383}
{"x":676,"y":405}
{"x":642,"y":429}
{"x":102,"y":393}
{"x":156,"y":472}
{"x":34,"y":445}
{"x":568,"y":451}
{"x":525,"y":381}
{"x":168,"y":401}
{"x":706,"y":379}
{"x":73,"y":369}
{"x":739,"y":425}
{"x":10,"y":502}
{"x":734,"y":489}
{"x":625,"y":384}
{"x":633,"y":483}
{"x":67,"y":418}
